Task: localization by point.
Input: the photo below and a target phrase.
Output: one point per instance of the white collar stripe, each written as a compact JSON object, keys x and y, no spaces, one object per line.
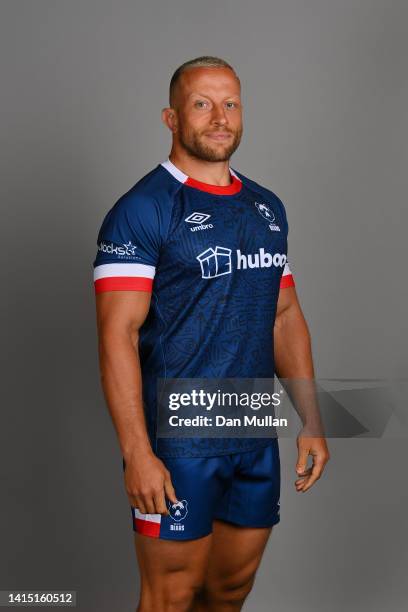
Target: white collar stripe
{"x":179,"y":175}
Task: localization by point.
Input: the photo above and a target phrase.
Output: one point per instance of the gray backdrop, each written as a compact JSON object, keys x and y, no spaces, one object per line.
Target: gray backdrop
{"x":325,"y":95}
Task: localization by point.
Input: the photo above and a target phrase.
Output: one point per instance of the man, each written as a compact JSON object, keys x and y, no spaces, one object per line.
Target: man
{"x":182,"y":292}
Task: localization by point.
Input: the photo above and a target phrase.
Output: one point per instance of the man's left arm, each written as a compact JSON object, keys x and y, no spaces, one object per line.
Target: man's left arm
{"x":293,"y":360}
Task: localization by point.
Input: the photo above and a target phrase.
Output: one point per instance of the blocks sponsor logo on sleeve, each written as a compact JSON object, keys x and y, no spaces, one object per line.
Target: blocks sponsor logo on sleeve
{"x":122,"y":251}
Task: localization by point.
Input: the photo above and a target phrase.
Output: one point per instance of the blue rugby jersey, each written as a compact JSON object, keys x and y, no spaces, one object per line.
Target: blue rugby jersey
{"x":214,"y":258}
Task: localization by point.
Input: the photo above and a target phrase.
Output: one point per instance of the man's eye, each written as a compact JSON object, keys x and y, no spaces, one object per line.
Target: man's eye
{"x":200,"y":104}
{"x":231,"y":104}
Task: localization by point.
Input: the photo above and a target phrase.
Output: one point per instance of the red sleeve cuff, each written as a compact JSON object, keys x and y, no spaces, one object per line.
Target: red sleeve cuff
{"x":123,"y":283}
{"x":287,"y":281}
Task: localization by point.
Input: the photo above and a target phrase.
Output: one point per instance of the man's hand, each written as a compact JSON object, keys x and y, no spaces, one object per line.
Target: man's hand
{"x":148,"y":483}
{"x":317,"y":448}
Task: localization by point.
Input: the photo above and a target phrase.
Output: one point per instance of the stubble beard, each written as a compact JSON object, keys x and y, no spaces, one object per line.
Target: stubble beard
{"x":192,"y":142}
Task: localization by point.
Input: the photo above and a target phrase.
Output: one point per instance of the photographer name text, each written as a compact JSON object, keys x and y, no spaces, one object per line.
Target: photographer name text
{"x":222,"y":421}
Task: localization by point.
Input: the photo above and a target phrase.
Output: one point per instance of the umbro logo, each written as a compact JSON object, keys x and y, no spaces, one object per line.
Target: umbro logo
{"x":196,"y":217}
{"x":198,"y":220}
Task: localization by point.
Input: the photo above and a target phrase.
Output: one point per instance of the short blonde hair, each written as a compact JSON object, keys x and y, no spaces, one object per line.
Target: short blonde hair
{"x":206,"y":61}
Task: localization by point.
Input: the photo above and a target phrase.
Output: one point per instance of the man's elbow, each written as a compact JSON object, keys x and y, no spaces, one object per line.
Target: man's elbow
{"x":291,"y":319}
{"x":111,"y":336}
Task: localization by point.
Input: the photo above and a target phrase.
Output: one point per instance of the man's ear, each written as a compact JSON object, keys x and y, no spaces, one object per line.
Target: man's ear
{"x":169,"y":118}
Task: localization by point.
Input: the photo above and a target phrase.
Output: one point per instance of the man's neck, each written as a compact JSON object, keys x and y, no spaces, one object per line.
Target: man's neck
{"x":213,"y":173}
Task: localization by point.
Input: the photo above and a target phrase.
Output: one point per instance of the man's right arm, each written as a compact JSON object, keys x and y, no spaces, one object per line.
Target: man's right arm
{"x":120,"y":315}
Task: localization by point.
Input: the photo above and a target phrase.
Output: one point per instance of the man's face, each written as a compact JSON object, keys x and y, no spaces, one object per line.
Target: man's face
{"x":209,"y":113}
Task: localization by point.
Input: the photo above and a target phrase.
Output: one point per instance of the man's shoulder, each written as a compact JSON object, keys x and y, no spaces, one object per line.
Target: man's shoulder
{"x":258,"y":188}
{"x":155,"y":189}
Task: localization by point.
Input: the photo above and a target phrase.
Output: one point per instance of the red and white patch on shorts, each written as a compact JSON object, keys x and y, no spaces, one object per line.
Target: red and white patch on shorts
{"x":146,"y":524}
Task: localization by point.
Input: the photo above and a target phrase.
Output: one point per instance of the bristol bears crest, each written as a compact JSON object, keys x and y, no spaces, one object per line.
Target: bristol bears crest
{"x":268,"y":214}
{"x":178,"y":511}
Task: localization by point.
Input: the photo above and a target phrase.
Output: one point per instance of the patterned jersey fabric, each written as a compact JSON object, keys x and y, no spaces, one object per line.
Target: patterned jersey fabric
{"x":214,"y":259}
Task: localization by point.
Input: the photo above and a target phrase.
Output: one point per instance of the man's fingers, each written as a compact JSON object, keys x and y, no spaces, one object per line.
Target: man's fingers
{"x":137,"y":502}
{"x":317,"y":448}
{"x":303,"y":477}
{"x":303,"y":455}
{"x":149,"y":504}
{"x":169,"y":489}
{"x":299,"y":484}
{"x":160,"y":503}
{"x":315,"y":475}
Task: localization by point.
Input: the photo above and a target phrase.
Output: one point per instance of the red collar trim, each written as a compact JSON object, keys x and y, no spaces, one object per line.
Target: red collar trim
{"x":234,"y":187}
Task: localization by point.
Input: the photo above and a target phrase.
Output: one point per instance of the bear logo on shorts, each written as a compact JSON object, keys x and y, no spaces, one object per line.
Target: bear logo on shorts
{"x":178,"y":511}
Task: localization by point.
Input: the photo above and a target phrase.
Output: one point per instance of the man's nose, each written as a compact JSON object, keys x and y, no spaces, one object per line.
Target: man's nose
{"x":219,"y":115}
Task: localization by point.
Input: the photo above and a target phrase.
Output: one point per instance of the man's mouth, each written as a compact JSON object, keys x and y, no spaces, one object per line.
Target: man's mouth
{"x":219,"y":136}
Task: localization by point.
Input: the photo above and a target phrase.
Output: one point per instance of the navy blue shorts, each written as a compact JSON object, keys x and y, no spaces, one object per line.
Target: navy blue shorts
{"x":240,"y":488}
